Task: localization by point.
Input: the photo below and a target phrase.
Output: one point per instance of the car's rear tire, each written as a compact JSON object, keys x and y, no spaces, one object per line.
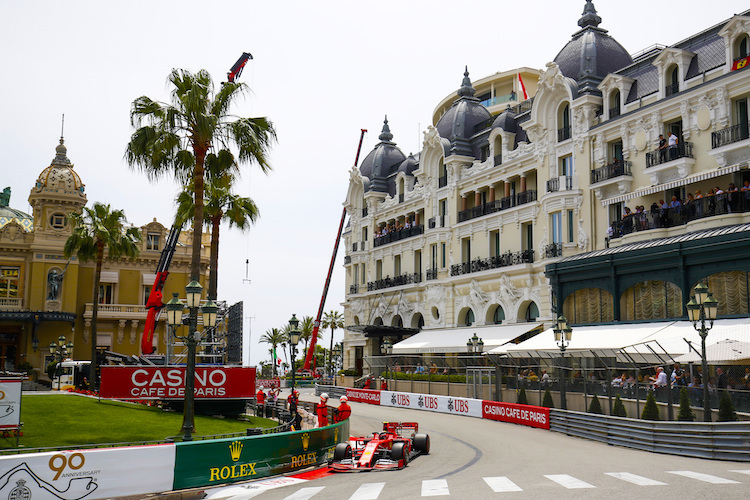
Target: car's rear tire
{"x":342,"y":451}
{"x":422,"y":443}
{"x":400,"y":451}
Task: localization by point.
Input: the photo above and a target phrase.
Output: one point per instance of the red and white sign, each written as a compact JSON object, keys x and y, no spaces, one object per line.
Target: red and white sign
{"x":442,"y":404}
{"x":272,"y":383}
{"x":10,"y":402}
{"x":533,"y":416}
{"x":168,"y":382}
{"x":740,"y":63}
{"x":363,"y":396}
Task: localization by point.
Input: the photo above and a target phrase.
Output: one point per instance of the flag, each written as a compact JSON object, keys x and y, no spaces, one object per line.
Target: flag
{"x":523,"y":87}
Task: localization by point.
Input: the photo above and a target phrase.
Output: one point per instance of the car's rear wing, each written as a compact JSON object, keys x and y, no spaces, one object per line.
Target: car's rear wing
{"x":397,"y":427}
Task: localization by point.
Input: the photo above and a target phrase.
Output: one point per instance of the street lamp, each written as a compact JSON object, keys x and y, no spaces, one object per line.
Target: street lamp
{"x":59,"y":353}
{"x":703,"y":307}
{"x":475,"y":345}
{"x":174,"y":318}
{"x":338,"y":352}
{"x":386,"y":348}
{"x":294,"y":335}
{"x":563,"y":335}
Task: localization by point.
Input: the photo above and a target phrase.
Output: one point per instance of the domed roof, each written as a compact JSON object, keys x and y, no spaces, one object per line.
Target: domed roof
{"x":458,"y":123}
{"x":409,"y":165}
{"x":591,"y":54}
{"x":506,"y":121}
{"x":383,"y":161}
{"x":8,"y":214}
{"x":59,"y":176}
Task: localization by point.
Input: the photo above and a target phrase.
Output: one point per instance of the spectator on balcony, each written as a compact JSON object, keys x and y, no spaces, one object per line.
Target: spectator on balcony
{"x":675,"y":203}
{"x":672,"y":146}
{"x":663,"y":214}
{"x":662,"y":149}
{"x":732,"y":197}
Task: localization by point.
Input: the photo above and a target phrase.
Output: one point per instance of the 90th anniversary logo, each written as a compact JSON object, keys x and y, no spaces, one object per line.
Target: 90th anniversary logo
{"x":71,"y":480}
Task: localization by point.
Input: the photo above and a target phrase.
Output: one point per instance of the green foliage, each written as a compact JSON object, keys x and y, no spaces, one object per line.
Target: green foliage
{"x":595,"y":406}
{"x":650,"y":410}
{"x":349,"y":373}
{"x":25,"y":367}
{"x":726,"y":408}
{"x":618,"y":409}
{"x":547,"y":400}
{"x":522,"y":396}
{"x":50,"y":370}
{"x":686,"y":413}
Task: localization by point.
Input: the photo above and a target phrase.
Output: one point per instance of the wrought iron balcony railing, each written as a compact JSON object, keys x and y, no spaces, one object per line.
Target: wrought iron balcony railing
{"x":617,"y":168}
{"x":502,"y":260}
{"x":388,"y":282}
{"x":659,"y":156}
{"x":728,"y":135}
{"x":398,"y":235}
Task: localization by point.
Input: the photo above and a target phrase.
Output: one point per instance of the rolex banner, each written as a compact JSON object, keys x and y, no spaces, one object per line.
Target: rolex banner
{"x":168,"y":382}
{"x":89,"y":474}
{"x":10,"y":403}
{"x":222,"y":461}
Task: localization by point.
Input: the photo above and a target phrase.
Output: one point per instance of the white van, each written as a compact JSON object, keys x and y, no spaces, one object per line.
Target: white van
{"x":70,"y":375}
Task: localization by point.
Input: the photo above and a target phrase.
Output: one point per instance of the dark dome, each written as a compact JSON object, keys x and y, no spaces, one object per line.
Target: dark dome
{"x":383,"y":161}
{"x":592,"y":54}
{"x":409,"y":165}
{"x":506,"y":121}
{"x":458,"y":123}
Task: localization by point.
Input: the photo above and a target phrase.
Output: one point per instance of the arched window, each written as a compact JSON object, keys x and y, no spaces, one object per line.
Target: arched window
{"x":469,"y":318}
{"x":563,"y":121}
{"x":673,"y":80}
{"x":589,"y":305}
{"x":498,"y":150}
{"x":532,"y":312}
{"x":397,"y":321}
{"x":442,"y":174}
{"x":417,"y":321}
{"x":499,"y":315}
{"x":651,"y":300}
{"x":741,"y":47}
{"x":614,"y":104}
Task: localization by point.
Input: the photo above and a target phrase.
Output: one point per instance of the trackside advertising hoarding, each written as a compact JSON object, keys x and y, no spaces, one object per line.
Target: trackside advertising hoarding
{"x":442,"y":404}
{"x":165,"y":382}
{"x":89,"y":474}
{"x":10,"y":402}
{"x":533,"y":416}
{"x":363,"y":396}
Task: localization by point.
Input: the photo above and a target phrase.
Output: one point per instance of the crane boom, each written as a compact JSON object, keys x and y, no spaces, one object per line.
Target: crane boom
{"x":236,"y":70}
{"x":316,"y":324}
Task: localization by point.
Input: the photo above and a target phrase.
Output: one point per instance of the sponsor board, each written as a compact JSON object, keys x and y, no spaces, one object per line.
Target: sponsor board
{"x":10,"y":402}
{"x":168,"y":382}
{"x":740,"y":63}
{"x":441,"y":404}
{"x":533,"y":416}
{"x":364,"y":396}
{"x":89,"y":474}
{"x":269,"y":383}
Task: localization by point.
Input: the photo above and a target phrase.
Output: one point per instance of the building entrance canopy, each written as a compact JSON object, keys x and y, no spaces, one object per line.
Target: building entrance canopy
{"x":453,"y":340}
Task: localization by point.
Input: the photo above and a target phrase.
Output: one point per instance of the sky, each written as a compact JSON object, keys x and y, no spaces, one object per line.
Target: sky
{"x":321,"y":72}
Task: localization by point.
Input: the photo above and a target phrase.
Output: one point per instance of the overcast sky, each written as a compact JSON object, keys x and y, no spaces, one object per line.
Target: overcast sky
{"x":322,"y":71}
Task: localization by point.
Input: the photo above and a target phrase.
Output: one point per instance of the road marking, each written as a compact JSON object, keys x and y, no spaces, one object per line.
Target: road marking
{"x":568,"y":481}
{"x":741,"y":471}
{"x":435,"y":487}
{"x":706,"y":478}
{"x":250,"y":490}
{"x":635,"y":479}
{"x":368,"y":491}
{"x":501,"y":484}
{"x":305,"y":493}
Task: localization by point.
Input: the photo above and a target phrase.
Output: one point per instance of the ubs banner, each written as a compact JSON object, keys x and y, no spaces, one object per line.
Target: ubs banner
{"x":443,"y":404}
{"x":221,"y":461}
{"x":89,"y":474}
{"x":10,"y":403}
{"x":165,"y":382}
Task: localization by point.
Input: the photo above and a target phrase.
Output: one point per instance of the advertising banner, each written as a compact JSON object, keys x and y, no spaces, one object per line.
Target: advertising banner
{"x":10,"y":402}
{"x":89,"y":474}
{"x":363,"y":396}
{"x":442,"y":404}
{"x":168,"y":382}
{"x":221,"y":461}
{"x":740,"y":63}
{"x":533,"y":416}
{"x":269,"y":383}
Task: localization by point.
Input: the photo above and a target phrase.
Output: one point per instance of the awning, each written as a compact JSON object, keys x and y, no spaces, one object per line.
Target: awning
{"x":453,"y":340}
{"x":382,"y":330}
{"x":725,"y":351}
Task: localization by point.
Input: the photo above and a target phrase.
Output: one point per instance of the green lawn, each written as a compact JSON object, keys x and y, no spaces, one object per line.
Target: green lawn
{"x":57,"y":420}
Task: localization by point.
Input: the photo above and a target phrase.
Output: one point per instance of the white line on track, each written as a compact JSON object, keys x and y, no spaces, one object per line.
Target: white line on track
{"x":568,"y":481}
{"x":435,"y":487}
{"x":305,"y":493}
{"x":706,"y":478}
{"x":635,"y":479}
{"x":501,"y":484}
{"x":741,"y":471}
{"x":368,"y":491}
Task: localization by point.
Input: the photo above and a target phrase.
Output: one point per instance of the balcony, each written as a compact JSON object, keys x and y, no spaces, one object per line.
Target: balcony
{"x":398,"y":235}
{"x":659,"y":218}
{"x":432,"y":274}
{"x":497,"y":205}
{"x":442,"y":181}
{"x":552,"y":250}
{"x":563,"y":134}
{"x":364,"y":212}
{"x":353,"y":288}
{"x":498,"y":159}
{"x":11,"y":304}
{"x":730,"y":135}
{"x":553,"y":185}
{"x":616,"y":169}
{"x":659,"y":156}
{"x":116,"y":311}
{"x":502,"y":260}
{"x":499,"y":99}
{"x":439,"y":221}
{"x":388,"y":282}
{"x":359,"y":246}
{"x":614,"y":112}
{"x":347,"y":259}
{"x":671,"y":89}
{"x":401,"y":198}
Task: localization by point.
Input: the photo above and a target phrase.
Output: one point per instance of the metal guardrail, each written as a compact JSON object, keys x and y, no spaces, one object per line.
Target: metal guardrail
{"x":719,"y":440}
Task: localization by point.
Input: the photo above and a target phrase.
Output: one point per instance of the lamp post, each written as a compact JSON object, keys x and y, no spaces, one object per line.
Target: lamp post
{"x":563,"y":334}
{"x":338,"y":353}
{"x":475,"y":345}
{"x":702,"y":307}
{"x":294,"y":335}
{"x":386,"y":348}
{"x":174,"y":318}
{"x":59,"y":353}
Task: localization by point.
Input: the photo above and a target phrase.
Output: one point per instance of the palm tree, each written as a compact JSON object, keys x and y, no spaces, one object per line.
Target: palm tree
{"x":193,"y":132}
{"x":274,"y":336}
{"x":220,"y":204}
{"x":94,"y":230}
{"x":332,"y":320}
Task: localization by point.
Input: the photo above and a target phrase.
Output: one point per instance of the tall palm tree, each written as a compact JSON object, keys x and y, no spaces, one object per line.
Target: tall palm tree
{"x":95,"y":230}
{"x":332,"y":320}
{"x":192,"y":131}
{"x":274,"y":336}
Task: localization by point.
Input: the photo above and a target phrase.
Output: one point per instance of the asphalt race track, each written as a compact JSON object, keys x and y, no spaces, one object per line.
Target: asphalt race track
{"x":478,"y":459}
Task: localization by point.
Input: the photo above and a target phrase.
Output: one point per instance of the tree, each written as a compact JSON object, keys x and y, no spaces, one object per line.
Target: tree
{"x":522,"y":397}
{"x":547,"y":400}
{"x":726,"y":408}
{"x":274,"y":337}
{"x":618,"y":409}
{"x":595,"y":406}
{"x":306,"y":329}
{"x":95,"y":230}
{"x":650,"y":409}
{"x":686,"y":412}
{"x":332,"y":320}
{"x":193,"y":131}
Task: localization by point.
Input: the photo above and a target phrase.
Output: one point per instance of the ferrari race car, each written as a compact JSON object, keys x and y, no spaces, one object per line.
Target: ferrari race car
{"x":392,"y":448}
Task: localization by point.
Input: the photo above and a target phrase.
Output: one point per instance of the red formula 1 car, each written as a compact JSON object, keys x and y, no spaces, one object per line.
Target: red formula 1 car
{"x":392,"y":448}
